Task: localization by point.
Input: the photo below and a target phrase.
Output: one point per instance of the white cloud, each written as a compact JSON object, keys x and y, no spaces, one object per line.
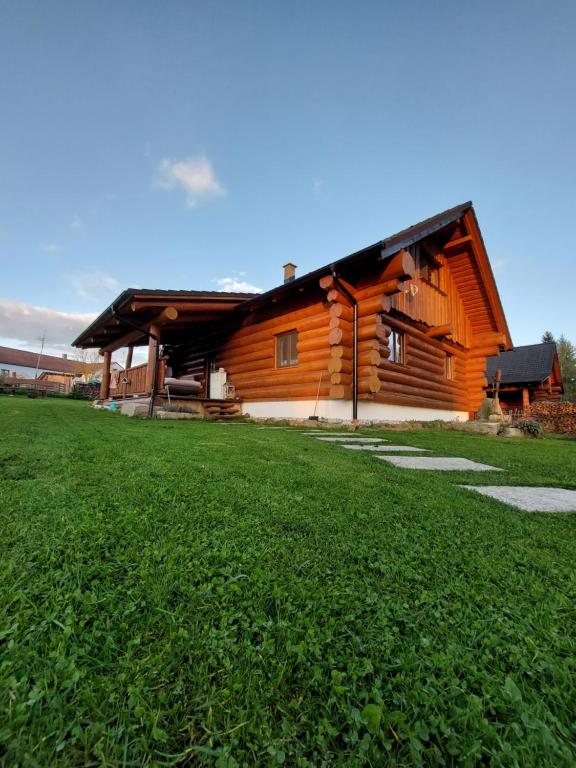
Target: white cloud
{"x":498,"y":265}
{"x":234,"y":285}
{"x":51,"y":247}
{"x":25,"y":324}
{"x":318,"y":186}
{"x":76,"y":222}
{"x":93,"y":285}
{"x":194,"y":175}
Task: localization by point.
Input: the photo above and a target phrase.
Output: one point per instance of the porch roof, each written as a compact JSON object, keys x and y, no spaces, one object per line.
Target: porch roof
{"x":128,"y":318}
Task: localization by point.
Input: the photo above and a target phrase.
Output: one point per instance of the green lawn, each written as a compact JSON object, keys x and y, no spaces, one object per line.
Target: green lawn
{"x":191,"y":593}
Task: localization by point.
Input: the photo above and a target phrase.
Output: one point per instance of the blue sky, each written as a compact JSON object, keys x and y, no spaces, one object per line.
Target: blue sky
{"x":203,"y":145}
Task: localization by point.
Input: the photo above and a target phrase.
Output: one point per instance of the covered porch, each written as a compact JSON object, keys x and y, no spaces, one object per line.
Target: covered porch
{"x":161,"y":322}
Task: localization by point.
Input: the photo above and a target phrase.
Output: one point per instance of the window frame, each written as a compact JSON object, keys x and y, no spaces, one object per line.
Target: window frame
{"x":429,"y":269}
{"x":448,"y":366}
{"x":292,"y":361}
{"x":396,"y":335}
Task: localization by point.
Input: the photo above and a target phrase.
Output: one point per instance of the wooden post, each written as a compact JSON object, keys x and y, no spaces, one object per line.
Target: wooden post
{"x":105,"y":383}
{"x":152,"y":355}
{"x":525,"y":399}
{"x":127,"y":365}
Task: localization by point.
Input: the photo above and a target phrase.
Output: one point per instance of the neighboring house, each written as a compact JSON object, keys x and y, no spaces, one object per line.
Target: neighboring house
{"x":19,"y":364}
{"x":398,"y":330}
{"x":93,"y":371}
{"x":528,"y":374}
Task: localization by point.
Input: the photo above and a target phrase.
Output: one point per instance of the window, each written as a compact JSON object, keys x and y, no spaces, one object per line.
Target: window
{"x":396,"y":347}
{"x":429,"y":268}
{"x":434,"y":276}
{"x":286,"y":349}
{"x":448,"y":367}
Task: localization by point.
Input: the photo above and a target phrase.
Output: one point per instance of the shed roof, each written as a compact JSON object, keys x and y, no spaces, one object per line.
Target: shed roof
{"x":523,"y":365}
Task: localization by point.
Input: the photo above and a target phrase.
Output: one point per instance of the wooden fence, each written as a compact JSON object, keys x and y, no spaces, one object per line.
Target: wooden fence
{"x":37,"y":386}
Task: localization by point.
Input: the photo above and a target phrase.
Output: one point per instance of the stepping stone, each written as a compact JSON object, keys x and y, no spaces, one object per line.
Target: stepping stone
{"x":385,"y":448}
{"x":355,"y":439}
{"x":433,"y":462}
{"x":321,"y":433}
{"x":529,"y":499}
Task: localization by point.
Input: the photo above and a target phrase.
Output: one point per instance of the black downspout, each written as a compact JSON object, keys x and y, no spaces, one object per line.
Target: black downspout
{"x":130,"y":324}
{"x":154,"y":375}
{"x":354,"y":303}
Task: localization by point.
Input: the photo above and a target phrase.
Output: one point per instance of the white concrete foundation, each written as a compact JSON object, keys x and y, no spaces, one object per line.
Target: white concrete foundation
{"x":341,"y":410}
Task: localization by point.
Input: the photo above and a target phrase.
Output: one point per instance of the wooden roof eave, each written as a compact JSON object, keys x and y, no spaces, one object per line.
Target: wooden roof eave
{"x":380,"y":251}
{"x":486,"y":273}
{"x":133,"y":307}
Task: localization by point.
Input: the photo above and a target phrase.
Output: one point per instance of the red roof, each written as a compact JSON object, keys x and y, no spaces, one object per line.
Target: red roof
{"x":9,"y":356}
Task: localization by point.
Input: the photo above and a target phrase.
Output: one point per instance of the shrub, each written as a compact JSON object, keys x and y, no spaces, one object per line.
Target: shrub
{"x":79,"y":393}
{"x":529,"y":427}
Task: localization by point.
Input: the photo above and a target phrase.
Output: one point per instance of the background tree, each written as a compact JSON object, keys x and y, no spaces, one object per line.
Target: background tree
{"x":89,"y":356}
{"x":548,"y":337}
{"x":567,"y":358}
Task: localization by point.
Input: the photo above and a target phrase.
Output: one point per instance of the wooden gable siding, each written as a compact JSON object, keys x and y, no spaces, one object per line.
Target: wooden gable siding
{"x":437,"y":306}
{"x":473,"y":295}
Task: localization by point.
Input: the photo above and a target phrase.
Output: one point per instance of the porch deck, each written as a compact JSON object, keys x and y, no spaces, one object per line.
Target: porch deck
{"x":133,"y":384}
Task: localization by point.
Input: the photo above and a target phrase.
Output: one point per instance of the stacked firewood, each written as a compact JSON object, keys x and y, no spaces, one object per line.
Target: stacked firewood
{"x":555,"y":416}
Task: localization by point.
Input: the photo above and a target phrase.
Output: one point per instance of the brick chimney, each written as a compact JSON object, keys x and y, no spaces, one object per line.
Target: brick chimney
{"x":289,"y":272}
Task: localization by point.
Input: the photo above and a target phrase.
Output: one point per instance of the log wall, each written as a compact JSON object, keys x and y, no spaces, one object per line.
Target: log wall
{"x":420,"y":381}
{"x":246,"y":349}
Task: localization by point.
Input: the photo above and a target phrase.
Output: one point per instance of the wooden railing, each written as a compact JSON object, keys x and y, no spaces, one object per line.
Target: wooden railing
{"x":132,"y":381}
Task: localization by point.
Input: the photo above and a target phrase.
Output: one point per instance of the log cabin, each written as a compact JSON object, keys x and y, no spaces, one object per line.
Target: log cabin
{"x":529,"y":374}
{"x":398,"y":330}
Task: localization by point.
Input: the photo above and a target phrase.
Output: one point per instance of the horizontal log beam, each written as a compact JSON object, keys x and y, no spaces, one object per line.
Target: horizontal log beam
{"x":439,"y":331}
{"x":401,"y":266}
{"x":185,"y":306}
{"x":457,"y":244}
{"x":167,"y":315}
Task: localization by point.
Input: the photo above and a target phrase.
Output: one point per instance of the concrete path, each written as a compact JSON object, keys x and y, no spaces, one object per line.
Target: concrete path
{"x":439,"y":463}
{"x":349,"y":439}
{"x":529,"y":499}
{"x":385,"y":448}
{"x":327,"y":433}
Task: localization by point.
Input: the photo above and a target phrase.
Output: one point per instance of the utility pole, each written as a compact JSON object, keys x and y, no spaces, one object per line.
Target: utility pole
{"x":43,"y":341}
